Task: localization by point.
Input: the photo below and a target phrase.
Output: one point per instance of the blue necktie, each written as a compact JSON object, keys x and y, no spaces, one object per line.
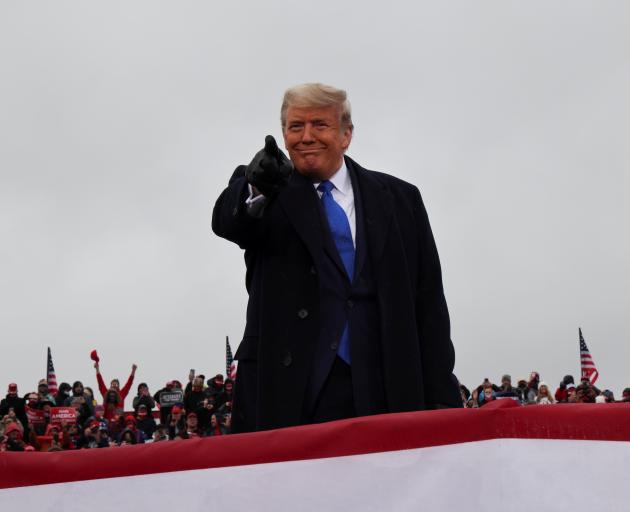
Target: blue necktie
{"x":342,"y":236}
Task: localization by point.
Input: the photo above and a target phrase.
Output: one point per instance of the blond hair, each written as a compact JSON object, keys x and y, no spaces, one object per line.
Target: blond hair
{"x":317,"y":95}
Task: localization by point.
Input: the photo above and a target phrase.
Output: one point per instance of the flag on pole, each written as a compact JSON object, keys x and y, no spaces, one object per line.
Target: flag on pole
{"x":589,"y":371}
{"x":230,"y":364}
{"x":51,"y":378}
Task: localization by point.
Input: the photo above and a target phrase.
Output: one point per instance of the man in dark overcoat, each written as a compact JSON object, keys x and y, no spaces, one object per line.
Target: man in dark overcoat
{"x":346,"y":313}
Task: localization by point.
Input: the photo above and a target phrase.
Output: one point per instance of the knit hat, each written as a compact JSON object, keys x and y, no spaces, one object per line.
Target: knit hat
{"x":12,"y":427}
{"x":506,"y":377}
{"x":130,"y":419}
{"x":176,"y":409}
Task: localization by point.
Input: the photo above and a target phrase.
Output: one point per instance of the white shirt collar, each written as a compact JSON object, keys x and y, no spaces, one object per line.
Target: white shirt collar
{"x":341,"y":179}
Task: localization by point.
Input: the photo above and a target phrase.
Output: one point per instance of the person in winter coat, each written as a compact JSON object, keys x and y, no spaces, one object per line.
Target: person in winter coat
{"x":14,"y":442}
{"x":63,"y":392}
{"x":532,"y":388}
{"x":176,"y":422}
{"x":81,"y":400}
{"x":562,"y":393}
{"x":506,"y":389}
{"x":145,"y":421}
{"x":114,"y":396}
{"x":143,"y":398}
{"x":15,"y":402}
{"x":194,"y":396}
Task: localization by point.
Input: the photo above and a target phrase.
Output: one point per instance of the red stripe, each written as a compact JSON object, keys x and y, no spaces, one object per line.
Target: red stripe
{"x":500,"y":419}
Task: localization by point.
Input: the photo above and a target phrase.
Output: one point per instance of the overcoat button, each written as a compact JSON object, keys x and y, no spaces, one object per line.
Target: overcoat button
{"x":302,"y":313}
{"x":235,"y":211}
{"x":334,"y":345}
{"x":287,"y":359}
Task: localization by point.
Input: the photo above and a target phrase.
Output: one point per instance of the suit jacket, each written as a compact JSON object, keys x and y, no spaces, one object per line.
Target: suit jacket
{"x":285,"y":247}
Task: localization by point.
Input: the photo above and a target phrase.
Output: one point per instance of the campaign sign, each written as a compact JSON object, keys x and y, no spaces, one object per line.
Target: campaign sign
{"x":63,"y":414}
{"x":35,"y":416}
{"x":170,"y":398}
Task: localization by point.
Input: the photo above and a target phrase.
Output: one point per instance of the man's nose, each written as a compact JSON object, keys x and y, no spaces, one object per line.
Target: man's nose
{"x":307,"y":134}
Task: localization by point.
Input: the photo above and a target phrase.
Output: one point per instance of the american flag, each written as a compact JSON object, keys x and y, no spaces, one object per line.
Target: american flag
{"x":50,"y":375}
{"x":586,"y":361}
{"x":230,"y":364}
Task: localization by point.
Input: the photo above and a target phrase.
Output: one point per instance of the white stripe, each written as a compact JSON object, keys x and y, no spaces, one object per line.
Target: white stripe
{"x":502,"y":474}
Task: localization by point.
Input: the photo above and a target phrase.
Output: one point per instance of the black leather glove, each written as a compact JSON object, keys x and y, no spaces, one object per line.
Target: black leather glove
{"x":270,"y":169}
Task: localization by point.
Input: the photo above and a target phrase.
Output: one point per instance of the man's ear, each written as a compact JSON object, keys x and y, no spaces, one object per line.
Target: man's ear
{"x":347,"y":136}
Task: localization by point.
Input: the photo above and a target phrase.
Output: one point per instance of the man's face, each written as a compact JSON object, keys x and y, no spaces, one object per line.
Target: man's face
{"x":78,"y":389}
{"x":315,"y":140}
{"x":507,"y":383}
{"x":115,"y":385}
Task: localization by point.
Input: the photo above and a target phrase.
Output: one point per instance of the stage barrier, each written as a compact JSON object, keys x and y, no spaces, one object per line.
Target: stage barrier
{"x":500,"y":457}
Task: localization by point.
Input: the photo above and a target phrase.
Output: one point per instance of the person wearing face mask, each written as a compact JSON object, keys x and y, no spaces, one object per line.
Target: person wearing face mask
{"x":114,"y":396}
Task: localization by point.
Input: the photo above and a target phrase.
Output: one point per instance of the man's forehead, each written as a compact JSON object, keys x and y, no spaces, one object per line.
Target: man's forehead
{"x":311,"y":113}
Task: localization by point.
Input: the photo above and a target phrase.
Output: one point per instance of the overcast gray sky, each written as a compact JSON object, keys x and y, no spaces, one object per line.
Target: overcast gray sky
{"x":121,"y":122}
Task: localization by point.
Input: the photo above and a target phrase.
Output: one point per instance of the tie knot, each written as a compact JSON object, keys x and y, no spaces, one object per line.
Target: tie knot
{"x":325,"y":186}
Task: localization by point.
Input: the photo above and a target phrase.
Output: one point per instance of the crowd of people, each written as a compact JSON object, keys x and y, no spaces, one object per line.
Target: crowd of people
{"x":202,"y":408}
{"x":533,"y":391}
{"x":71,"y":417}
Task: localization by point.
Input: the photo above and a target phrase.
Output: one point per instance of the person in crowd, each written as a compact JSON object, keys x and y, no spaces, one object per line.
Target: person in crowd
{"x":90,"y":395}
{"x":114,"y":396}
{"x":130,"y":426}
{"x":216,"y":426}
{"x":127,"y":438}
{"x":227,"y":395}
{"x":506,"y":389}
{"x":117,"y":425}
{"x":521,"y":387}
{"x":145,"y":421}
{"x":143,"y":397}
{"x":81,"y":400}
{"x":14,"y":441}
{"x":625,"y":395}
{"x":176,"y":422}
{"x":99,"y":415}
{"x":585,"y":392}
{"x":55,"y":432}
{"x":465,"y":393}
{"x":532,"y":388}
{"x":609,"y":396}
{"x":544,"y":396}
{"x":207,"y":409}
{"x":165,"y":410}
{"x":72,"y":436}
{"x":571,"y":394}
{"x":227,"y":423}
{"x":487,"y":394}
{"x":63,"y":393}
{"x":561,"y":395}
{"x":192,"y":427}
{"x":44,"y":393}
{"x":194,"y":396}
{"x":215,"y":387}
{"x":160,"y":434}
{"x":16,"y":403}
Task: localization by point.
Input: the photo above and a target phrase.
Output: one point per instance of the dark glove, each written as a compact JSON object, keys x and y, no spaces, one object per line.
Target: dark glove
{"x":270,"y":169}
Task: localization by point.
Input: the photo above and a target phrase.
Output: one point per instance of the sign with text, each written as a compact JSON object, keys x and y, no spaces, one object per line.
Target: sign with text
{"x":35,"y":416}
{"x":170,"y":398}
{"x":61,"y":415}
